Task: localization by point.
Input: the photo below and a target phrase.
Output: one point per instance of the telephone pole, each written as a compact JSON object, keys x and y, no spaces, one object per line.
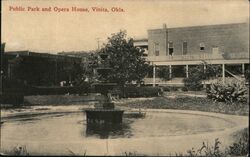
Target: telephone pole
{"x":1,"y":67}
{"x":98,"y":43}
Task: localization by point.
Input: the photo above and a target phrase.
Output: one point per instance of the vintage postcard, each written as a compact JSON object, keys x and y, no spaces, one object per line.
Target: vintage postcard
{"x":124,"y":77}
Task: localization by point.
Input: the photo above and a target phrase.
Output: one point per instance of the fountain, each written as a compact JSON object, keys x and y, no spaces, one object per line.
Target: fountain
{"x":104,"y":112}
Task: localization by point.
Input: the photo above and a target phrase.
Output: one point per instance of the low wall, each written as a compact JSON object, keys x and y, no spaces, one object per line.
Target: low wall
{"x":59,"y":99}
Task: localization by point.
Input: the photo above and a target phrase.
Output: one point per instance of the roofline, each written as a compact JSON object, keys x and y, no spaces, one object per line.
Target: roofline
{"x":200,"y":26}
{"x":31,"y":53}
{"x":144,"y":39}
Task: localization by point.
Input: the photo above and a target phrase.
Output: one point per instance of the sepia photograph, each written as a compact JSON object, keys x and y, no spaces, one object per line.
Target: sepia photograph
{"x":124,"y":78}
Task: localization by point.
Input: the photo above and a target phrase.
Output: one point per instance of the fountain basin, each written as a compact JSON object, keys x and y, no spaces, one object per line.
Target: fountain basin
{"x":161,"y":132}
{"x":103,"y":115}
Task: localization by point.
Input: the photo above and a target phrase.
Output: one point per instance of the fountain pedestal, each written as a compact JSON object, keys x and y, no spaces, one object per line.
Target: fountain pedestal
{"x":104,"y":111}
{"x":112,"y":116}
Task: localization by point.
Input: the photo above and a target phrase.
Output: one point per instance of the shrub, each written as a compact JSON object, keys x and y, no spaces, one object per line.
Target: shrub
{"x":11,"y":98}
{"x":166,"y":89}
{"x":142,"y":91}
{"x":194,"y":81}
{"x":163,"y":73}
{"x":198,"y":74}
{"x":16,"y":151}
{"x":207,"y":150}
{"x":173,"y":88}
{"x":240,"y":147}
{"x":247,"y":74}
{"x":229,"y":92}
{"x":184,"y":89}
{"x":57,"y":90}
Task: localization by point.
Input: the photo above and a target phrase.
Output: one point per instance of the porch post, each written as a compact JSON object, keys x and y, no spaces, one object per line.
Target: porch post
{"x":154,"y":75}
{"x":243,"y":69}
{"x":170,"y":71}
{"x":187,"y":70}
{"x":223,"y":73}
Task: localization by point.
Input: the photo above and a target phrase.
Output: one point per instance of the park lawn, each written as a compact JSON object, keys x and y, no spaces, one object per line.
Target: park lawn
{"x":185,"y":102}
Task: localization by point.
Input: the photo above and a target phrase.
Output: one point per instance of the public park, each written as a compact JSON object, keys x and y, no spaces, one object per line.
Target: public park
{"x":150,"y":80}
{"x":109,"y":110}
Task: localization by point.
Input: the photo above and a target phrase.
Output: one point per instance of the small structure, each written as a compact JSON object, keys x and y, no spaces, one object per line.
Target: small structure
{"x":104,"y":111}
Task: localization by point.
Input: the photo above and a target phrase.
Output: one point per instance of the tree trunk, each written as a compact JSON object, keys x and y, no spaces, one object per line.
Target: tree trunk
{"x":123,"y":90}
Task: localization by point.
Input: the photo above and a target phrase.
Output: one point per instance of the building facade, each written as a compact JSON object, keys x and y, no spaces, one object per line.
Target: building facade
{"x":178,"y":48}
{"x":40,"y":69}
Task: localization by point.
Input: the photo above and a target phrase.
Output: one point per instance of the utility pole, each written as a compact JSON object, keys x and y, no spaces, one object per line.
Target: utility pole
{"x":98,"y":43}
{"x":1,"y":67}
{"x":153,"y":75}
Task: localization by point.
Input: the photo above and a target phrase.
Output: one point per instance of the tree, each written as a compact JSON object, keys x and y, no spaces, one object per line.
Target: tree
{"x":163,"y":73}
{"x":125,"y":59}
{"x":91,"y":63}
{"x":198,"y":73}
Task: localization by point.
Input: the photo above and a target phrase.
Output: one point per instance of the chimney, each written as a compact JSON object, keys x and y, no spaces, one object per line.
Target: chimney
{"x":164,"y":26}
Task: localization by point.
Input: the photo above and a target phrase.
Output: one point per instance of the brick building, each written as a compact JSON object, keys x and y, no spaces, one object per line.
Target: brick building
{"x":178,"y":48}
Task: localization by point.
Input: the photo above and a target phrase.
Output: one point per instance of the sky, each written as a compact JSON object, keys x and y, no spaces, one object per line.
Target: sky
{"x":53,"y":31}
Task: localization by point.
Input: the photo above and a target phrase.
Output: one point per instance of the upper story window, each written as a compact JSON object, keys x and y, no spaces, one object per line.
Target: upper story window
{"x":170,"y":48}
{"x":184,"y":48}
{"x":202,"y":47}
{"x":157,"y":49}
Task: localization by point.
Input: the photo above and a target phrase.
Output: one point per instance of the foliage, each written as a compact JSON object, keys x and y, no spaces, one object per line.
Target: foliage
{"x":125,"y":59}
{"x":247,"y":73}
{"x":194,"y":81}
{"x":184,"y":89}
{"x":163,"y":73}
{"x":207,"y":150}
{"x":198,"y":73}
{"x":229,"y":92}
{"x":241,"y":146}
{"x":91,"y":64}
{"x":170,"y":88}
{"x":133,"y":154}
{"x":166,"y":89}
{"x":84,"y":88}
{"x":211,"y":70}
{"x":11,"y":98}
{"x":184,"y":102}
{"x":16,"y":151}
{"x":139,"y":92}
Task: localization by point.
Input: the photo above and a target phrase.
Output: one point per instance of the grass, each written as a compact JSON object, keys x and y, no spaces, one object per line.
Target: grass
{"x":239,"y":148}
{"x":241,"y":145}
{"x":189,"y":103}
{"x":16,"y":151}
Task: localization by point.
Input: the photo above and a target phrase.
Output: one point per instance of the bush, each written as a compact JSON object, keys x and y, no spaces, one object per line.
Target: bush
{"x":171,"y":88}
{"x":184,"y":89}
{"x":230,"y":92}
{"x":141,"y":91}
{"x":56,"y":90}
{"x":166,"y":89}
{"x":193,"y":84}
{"x":247,"y":74}
{"x":11,"y":98}
{"x":207,"y":150}
{"x":163,"y":73}
{"x":241,"y":146}
{"x":194,"y":81}
{"x":198,"y":74}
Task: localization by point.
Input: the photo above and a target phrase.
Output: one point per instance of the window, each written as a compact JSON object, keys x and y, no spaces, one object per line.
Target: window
{"x":157,"y":49}
{"x":184,"y":48}
{"x":202,"y":47}
{"x":170,"y":48}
